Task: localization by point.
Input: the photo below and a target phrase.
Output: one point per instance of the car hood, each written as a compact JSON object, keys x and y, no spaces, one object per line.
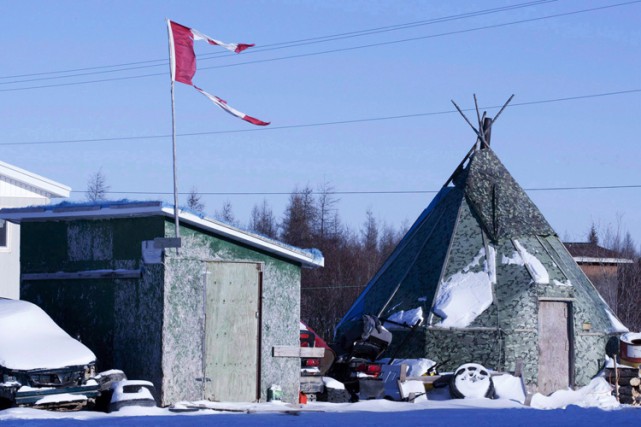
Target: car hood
{"x":31,"y":340}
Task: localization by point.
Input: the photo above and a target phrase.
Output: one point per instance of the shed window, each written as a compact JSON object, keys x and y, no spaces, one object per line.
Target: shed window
{"x":3,"y":233}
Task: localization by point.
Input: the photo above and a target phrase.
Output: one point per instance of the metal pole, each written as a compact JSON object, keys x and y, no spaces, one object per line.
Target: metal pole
{"x":173,"y":131}
{"x":173,"y":144}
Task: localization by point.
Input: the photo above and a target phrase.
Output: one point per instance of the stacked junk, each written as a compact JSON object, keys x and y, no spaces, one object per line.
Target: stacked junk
{"x":624,"y":374}
{"x":366,"y":376}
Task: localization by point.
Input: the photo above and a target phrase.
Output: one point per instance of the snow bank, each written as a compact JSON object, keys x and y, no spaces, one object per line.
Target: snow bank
{"x":464,"y":295}
{"x":597,"y":394}
{"x":509,"y":387}
{"x":31,"y":340}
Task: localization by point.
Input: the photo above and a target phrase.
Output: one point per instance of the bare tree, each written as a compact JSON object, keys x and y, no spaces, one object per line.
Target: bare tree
{"x":97,"y":187}
{"x":194,"y":201}
{"x":226,"y":214}
{"x":262,"y":220}
{"x":593,"y":236}
{"x":326,"y":218}
{"x":297,"y":227}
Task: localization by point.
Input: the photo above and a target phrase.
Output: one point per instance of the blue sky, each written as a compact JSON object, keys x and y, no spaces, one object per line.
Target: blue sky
{"x":406,"y":77}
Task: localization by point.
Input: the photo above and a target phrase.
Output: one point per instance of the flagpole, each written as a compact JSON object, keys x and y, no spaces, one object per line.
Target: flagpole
{"x":173,"y":132}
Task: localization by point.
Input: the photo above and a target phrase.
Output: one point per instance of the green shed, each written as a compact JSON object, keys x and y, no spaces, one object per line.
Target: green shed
{"x":200,"y":322}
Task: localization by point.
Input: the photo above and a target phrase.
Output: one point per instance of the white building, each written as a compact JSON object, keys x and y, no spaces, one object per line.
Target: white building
{"x":19,"y":188}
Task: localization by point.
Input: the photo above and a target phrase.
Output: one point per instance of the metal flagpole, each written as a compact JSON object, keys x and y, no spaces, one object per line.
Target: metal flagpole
{"x":173,"y":130}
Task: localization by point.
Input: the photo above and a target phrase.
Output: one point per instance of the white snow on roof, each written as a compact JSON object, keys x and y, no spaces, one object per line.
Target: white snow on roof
{"x":407,"y":317}
{"x":464,"y":295}
{"x":534,"y":266}
{"x":31,"y":340}
{"x":125,"y":208}
{"x":617,"y":326}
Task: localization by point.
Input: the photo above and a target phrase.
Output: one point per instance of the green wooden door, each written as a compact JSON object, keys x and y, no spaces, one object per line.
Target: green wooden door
{"x":231,"y":331}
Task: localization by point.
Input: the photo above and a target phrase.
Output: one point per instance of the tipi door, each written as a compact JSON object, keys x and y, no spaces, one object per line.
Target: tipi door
{"x":554,"y":346}
{"x":232,"y":323}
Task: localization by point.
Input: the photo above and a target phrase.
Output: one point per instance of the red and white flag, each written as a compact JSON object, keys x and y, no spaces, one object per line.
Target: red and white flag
{"x":183,"y":62}
{"x":223,"y":104}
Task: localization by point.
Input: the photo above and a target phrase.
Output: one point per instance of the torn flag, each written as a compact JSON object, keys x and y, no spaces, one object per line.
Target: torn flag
{"x":223,"y":104}
{"x":183,"y":62}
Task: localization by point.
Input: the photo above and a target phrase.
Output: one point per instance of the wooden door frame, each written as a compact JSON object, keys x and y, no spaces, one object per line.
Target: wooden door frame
{"x":571,"y":339}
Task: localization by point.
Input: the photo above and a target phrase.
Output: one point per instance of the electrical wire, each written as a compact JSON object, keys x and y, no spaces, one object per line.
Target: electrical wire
{"x":343,"y":193}
{"x":331,"y":50}
{"x":274,"y":46}
{"x":321,"y":124}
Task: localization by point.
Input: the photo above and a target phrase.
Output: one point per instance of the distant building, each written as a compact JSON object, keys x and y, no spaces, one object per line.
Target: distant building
{"x":602,"y":267}
{"x":19,"y":188}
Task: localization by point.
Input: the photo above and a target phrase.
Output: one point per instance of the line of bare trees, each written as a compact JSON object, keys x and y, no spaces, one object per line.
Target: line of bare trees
{"x":311,"y":220}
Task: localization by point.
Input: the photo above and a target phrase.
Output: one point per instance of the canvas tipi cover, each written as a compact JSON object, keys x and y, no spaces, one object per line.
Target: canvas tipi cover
{"x":492,"y":283}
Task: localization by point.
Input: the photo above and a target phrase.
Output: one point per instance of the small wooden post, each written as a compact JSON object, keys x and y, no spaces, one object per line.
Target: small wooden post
{"x":487,"y":130}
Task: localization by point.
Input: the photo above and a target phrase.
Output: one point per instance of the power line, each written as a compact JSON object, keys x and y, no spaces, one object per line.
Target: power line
{"x":320,"y":124}
{"x":274,"y":46}
{"x":449,"y":33}
{"x":366,"y":192}
{"x":339,"y":49}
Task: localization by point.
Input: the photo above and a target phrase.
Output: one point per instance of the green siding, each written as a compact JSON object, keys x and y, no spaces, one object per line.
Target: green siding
{"x":152,"y":327}
{"x":184,"y":297}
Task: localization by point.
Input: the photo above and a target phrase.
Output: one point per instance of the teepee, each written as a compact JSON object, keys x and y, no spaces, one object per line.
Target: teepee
{"x":490,"y":282}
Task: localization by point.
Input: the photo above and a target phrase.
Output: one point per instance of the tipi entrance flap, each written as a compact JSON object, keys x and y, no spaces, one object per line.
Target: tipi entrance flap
{"x":232,"y":322}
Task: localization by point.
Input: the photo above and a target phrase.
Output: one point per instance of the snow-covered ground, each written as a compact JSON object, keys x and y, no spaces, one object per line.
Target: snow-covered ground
{"x":591,"y":405}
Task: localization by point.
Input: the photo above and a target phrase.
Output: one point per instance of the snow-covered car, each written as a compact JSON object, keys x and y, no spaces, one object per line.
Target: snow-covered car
{"x":40,"y":364}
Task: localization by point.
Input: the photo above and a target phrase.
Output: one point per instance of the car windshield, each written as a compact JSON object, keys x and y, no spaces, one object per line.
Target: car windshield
{"x":31,"y":340}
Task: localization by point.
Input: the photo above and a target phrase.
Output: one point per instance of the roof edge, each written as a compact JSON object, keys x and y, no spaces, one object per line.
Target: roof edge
{"x":311,"y":258}
{"x":45,"y":184}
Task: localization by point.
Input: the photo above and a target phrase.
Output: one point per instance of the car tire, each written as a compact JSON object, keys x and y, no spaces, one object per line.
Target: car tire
{"x":471,"y":380}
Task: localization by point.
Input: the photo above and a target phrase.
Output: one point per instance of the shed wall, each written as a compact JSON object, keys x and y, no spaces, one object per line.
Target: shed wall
{"x":184,"y":315}
{"x":120,"y":320}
